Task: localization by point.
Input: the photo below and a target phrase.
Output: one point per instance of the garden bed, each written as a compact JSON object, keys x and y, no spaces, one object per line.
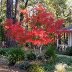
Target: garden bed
{"x":49,"y":67}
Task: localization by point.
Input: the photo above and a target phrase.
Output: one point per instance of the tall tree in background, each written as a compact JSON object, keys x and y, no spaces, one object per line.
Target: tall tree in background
{"x":0,"y":7}
{"x":16,"y":3}
{"x":9,"y":15}
{"x":21,"y":15}
{"x":9,"y":12}
{"x":56,"y":6}
{"x":60,"y":9}
{"x":2,"y":17}
{"x":26,"y":3}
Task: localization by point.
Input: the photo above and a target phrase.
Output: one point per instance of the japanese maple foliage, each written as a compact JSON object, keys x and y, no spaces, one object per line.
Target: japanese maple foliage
{"x":42,"y":27}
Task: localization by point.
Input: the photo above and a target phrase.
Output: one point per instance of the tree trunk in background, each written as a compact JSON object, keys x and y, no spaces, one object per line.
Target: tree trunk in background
{"x":21,"y":15}
{"x":0,"y":22}
{"x":9,"y":12}
{"x":26,"y":3}
{"x":9,"y":15}
{"x":16,"y":8}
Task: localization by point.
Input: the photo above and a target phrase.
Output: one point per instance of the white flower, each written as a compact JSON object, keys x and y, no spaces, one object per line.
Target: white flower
{"x":60,"y":67}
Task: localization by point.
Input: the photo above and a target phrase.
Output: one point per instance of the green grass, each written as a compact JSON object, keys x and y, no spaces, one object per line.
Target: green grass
{"x":67,"y":60}
{"x":69,"y":69}
{"x":64,"y":59}
{"x":49,"y":67}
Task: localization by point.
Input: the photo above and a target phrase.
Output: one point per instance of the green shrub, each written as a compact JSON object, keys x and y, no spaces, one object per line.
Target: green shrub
{"x":50,"y":53}
{"x":3,"y":51}
{"x":68,"y":51}
{"x":25,"y":65}
{"x":36,"y":68}
{"x":14,"y":55}
{"x":31,"y":56}
{"x":40,"y":57}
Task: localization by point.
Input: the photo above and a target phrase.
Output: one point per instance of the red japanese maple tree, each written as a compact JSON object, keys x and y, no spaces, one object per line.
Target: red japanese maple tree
{"x":42,"y":27}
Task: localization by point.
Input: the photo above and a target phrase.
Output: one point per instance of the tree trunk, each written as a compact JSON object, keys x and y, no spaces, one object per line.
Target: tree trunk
{"x":9,"y":15}
{"x":26,"y":3}
{"x":9,"y":12}
{"x":21,"y":15}
{"x":16,"y":8}
{"x":41,"y":49}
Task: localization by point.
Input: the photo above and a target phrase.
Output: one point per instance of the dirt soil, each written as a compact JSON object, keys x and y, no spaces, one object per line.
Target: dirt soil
{"x":5,"y":68}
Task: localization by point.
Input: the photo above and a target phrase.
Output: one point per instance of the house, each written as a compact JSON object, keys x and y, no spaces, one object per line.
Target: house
{"x":66,"y":40}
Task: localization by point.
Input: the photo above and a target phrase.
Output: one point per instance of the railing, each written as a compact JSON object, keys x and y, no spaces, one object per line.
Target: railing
{"x":62,"y":47}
